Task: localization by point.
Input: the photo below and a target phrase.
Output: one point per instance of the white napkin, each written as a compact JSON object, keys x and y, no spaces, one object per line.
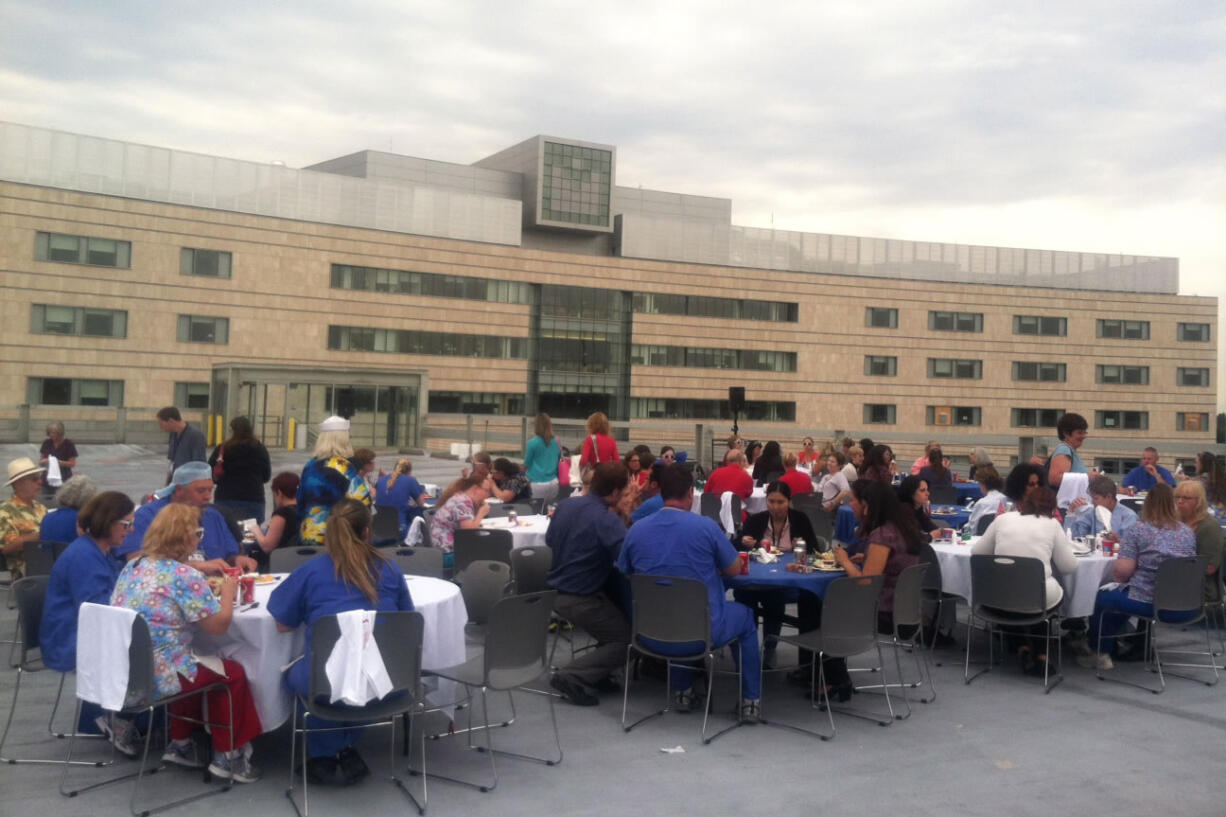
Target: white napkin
{"x":54,"y":477}
{"x":104,"y":635}
{"x":355,"y":668}
{"x":1073,"y":486}
{"x":725,"y":512}
{"x":1104,"y":518}
{"x":415,"y":536}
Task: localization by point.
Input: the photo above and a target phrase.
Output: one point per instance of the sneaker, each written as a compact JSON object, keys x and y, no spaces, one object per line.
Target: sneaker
{"x":684,"y":700}
{"x":352,"y":765}
{"x":572,"y":690}
{"x":1096,"y":660}
{"x":326,"y":771}
{"x":183,"y":753}
{"x":122,"y":735}
{"x":1080,"y":647}
{"x":751,"y":710}
{"x":234,"y":766}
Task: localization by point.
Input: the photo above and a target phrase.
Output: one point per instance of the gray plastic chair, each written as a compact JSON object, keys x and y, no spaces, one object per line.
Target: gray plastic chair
{"x":530,"y":568}
{"x":710,"y":505}
{"x":483,"y":584}
{"x":1177,"y":593}
{"x":1009,"y":591}
{"x":985,"y":522}
{"x":674,"y":611}
{"x":822,"y":522}
{"x":943,"y":495}
{"x":909,"y":616}
{"x":513,"y":656}
{"x":934,"y":593}
{"x":385,"y":525}
{"x":398,"y":636}
{"x":284,"y":560}
{"x":472,"y":544}
{"x":40,"y":558}
{"x":849,"y":627}
{"x":419,"y":561}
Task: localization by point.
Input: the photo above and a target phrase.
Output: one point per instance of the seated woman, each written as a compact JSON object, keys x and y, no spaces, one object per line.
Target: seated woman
{"x":877,"y":464}
{"x":990,"y":484}
{"x":936,"y":473}
{"x":799,"y":481}
{"x":979,"y":458}
{"x":778,"y":526}
{"x":351,"y":575}
{"x":639,"y":472}
{"x":753,"y":450}
{"x":668,"y":454}
{"x":768,"y":467}
{"x":913,"y":494}
{"x":1024,"y":477}
{"x":84,"y":573}
{"x":401,"y":490}
{"x":1031,"y":532}
{"x":175,"y":599}
{"x":1194,"y":512}
{"x":60,"y":523}
{"x":808,"y":455}
{"x":510,"y":482}
{"x":834,"y":487}
{"x":284,"y":523}
{"x":462,"y":505}
{"x":1143,"y":547}
{"x":1209,"y":473}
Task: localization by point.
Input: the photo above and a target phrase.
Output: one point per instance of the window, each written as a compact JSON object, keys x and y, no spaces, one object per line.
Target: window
{"x":412,"y":342}
{"x":954,"y":416}
{"x":1191,"y":377}
{"x":1191,"y":421}
{"x":880,"y":365}
{"x":207,"y":263}
{"x":1038,"y":325}
{"x":203,"y":329}
{"x":1125,"y":420}
{"x":881,"y":317}
{"x":1035,"y":417}
{"x":431,"y":284}
{"x":468,"y":402}
{"x":955,"y":321}
{"x":192,"y":395}
{"x":46,"y":319}
{"x":1194,"y":332}
{"x":880,"y":413}
{"x":1040,"y":372}
{"x":1124,"y":375}
{"x":765,"y":361}
{"x":1127,"y":330}
{"x":667,"y":408}
{"x":79,"y":249}
{"x":1115,"y":467}
{"x":63,"y":391}
{"x":949,"y":367}
{"x":659,"y":303}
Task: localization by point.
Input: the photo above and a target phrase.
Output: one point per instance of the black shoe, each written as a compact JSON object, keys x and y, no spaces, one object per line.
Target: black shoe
{"x":838,"y":693}
{"x":326,"y":771}
{"x":801,"y":676}
{"x":608,"y":686}
{"x":351,"y":764}
{"x":572,"y":690}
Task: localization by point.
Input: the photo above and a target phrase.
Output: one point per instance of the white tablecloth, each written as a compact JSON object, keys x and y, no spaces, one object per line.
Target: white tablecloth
{"x":1080,"y":587}
{"x":254,"y":642}
{"x":527,"y":531}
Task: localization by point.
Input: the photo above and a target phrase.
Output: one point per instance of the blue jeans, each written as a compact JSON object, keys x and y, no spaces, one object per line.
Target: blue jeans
{"x":1117,"y":608}
{"x":737,"y":624}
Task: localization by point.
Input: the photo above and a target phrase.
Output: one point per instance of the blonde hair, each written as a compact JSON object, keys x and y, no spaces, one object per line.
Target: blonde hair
{"x":543,"y":427}
{"x":1159,"y":507}
{"x":789,"y":460}
{"x":404,"y":465}
{"x":597,"y":423}
{"x":356,"y":560}
{"x":331,"y":444}
{"x":1196,"y":490}
{"x":172,"y":535}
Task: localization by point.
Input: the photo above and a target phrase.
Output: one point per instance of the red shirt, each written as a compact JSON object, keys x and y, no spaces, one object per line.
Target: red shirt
{"x":798,"y":481}
{"x":606,"y":448}
{"x":730,"y":478}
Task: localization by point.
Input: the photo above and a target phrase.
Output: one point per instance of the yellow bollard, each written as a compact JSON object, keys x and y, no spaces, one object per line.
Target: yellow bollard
{"x":221,"y":429}
{"x":293,"y":428}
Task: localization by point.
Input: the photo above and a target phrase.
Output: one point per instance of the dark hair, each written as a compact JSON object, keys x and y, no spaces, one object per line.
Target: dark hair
{"x":1069,"y":423}
{"x":989,"y":476}
{"x":881,"y":506}
{"x":779,"y":487}
{"x":1039,"y":502}
{"x":654,"y":474}
{"x":866,"y":445}
{"x":608,"y":477}
{"x":286,"y":483}
{"x":641,"y":449}
{"x":508,"y":468}
{"x":935,"y":462}
{"x":1015,"y":483}
{"x":1207,"y":466}
{"x":908,"y":487}
{"x":769,"y":462}
{"x":103,"y":511}
{"x":241,"y":431}
{"x":169,"y":413}
{"x":752,"y":451}
{"x":666,"y":448}
{"x":675,"y":482}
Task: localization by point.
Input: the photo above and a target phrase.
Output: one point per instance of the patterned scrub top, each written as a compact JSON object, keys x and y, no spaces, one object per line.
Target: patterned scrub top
{"x":324,"y":483}
{"x":459,"y":508}
{"x":170,"y":596}
{"x":18,"y":518}
{"x":1150,"y":546}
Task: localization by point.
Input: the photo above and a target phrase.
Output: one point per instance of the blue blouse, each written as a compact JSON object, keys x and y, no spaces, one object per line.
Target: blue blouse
{"x":82,"y":573}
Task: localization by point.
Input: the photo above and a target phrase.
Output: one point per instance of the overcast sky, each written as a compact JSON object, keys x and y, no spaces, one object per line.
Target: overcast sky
{"x":1095,"y":125}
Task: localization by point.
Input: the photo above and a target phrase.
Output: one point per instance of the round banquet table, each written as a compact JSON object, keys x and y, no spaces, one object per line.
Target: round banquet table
{"x":776,"y":574}
{"x":526,"y":531}
{"x":845,"y":522}
{"x":968,"y":491}
{"x":254,"y":642}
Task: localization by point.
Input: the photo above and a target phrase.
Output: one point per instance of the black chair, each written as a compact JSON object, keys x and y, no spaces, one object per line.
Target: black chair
{"x":1008,"y":591}
{"x":849,"y":628}
{"x":420,"y":561}
{"x":40,"y":557}
{"x":473,"y":544}
{"x":483,"y":583}
{"x":284,"y":560}
{"x":398,"y":636}
{"x":943,"y":495}
{"x":673,"y":611}
{"x":530,"y":568}
{"x":985,"y":521}
{"x":564,"y":491}
{"x":385,"y":525}
{"x":711,"y":504}
{"x":822,"y":522}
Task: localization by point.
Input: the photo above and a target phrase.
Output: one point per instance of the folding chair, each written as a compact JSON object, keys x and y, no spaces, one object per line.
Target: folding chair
{"x":673,"y":611}
{"x":284,"y":560}
{"x":471,"y":544}
{"x":1008,"y":591}
{"x":398,"y":636}
{"x":822,"y":522}
{"x":40,"y":558}
{"x":985,"y":522}
{"x":934,"y":593}
{"x":385,"y":525}
{"x":909,"y":619}
{"x":530,"y":568}
{"x":483,"y":583}
{"x":419,"y":561}
{"x":943,"y":495}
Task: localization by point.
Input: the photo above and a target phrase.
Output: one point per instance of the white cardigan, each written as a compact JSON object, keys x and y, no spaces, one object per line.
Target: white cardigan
{"x":1035,"y":537}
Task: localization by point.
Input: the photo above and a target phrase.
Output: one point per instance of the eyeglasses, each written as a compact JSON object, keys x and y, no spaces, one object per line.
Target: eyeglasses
{"x":199,"y":533}
{"x":127,"y":524}
{"x":668,"y":457}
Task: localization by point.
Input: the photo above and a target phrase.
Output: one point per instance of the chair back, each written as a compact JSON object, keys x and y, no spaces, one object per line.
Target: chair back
{"x":767,"y":479}
{"x":284,"y":560}
{"x":849,"y":615}
{"x":932,"y":579}
{"x":564,"y":491}
{"x":538,"y":505}
{"x":709,"y":506}
{"x":418,"y":561}
{"x":822,"y":522}
{"x":909,"y":596}
{"x":1177,"y":586}
{"x":985,"y":521}
{"x":1010,"y":583}
{"x":398,"y":635}
{"x":483,"y":583}
{"x":29,"y":593}
{"x":515,"y":641}
{"x":427,"y":518}
{"x":480,"y":544}
{"x":530,"y":568}
{"x":94,"y":627}
{"x":385,"y":525}
{"x":40,"y":558}
{"x":669,"y":609}
{"x":943,"y":495}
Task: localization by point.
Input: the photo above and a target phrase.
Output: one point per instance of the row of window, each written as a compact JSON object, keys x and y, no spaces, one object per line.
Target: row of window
{"x":1025,"y":371}
{"x":887,"y":414}
{"x":469,"y":402}
{"x":647,"y":355}
{"x":882,"y":317}
{"x":404,"y":282}
{"x":682,"y":408}
{"x":659,"y":303}
{"x":49,"y":319}
{"x":412,"y":342}
{"x":110,"y":252}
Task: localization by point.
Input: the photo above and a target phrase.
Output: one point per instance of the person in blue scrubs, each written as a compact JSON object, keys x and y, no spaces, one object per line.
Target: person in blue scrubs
{"x":60,"y":524}
{"x":84,"y":572}
{"x":191,"y":484}
{"x":352,"y":575}
{"x":401,"y":490}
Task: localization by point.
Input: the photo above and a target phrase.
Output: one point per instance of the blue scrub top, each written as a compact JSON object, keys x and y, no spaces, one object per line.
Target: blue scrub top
{"x":648,"y":507}
{"x":59,"y":525}
{"x":313,"y":591}
{"x":398,"y":495}
{"x":218,"y":542}
{"x":82,"y":573}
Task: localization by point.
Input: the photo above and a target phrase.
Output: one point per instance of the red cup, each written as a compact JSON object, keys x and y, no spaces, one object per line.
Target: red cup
{"x":744,"y":557}
{"x":246,"y":586}
{"x":232,"y":572}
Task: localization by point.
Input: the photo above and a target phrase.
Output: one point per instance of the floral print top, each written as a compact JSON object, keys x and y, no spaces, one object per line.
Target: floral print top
{"x":324,"y":483}
{"x":455,"y":510}
{"x":1151,"y":546}
{"x":17,"y":518}
{"x":170,"y":596}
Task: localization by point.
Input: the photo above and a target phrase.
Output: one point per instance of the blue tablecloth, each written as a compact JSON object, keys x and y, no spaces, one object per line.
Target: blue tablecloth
{"x":968,"y":490}
{"x":845,"y":523}
{"x":776,"y":574}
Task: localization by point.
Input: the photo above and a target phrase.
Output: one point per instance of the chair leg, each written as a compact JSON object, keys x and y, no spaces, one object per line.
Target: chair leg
{"x":9,"y":722}
{"x":740,"y":721}
{"x":1208,"y":652}
{"x":400,"y":784}
{"x":970,"y":634}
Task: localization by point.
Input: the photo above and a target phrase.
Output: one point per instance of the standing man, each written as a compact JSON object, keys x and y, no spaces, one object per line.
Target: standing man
{"x":586,"y":537}
{"x":1147,"y":474}
{"x":675,"y":542}
{"x":186,"y":441}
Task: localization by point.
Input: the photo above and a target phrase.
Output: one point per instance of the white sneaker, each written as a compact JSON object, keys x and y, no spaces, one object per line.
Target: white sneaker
{"x":684,"y":700}
{"x":1080,"y":646}
{"x":751,"y":710}
{"x":236,"y":765}
{"x":183,"y":753}
{"x":123,"y":735}
{"x":1096,"y":660}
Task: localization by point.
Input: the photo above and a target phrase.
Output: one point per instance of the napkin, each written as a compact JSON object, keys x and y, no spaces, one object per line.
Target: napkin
{"x":1104,"y":518}
{"x":1073,"y":486}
